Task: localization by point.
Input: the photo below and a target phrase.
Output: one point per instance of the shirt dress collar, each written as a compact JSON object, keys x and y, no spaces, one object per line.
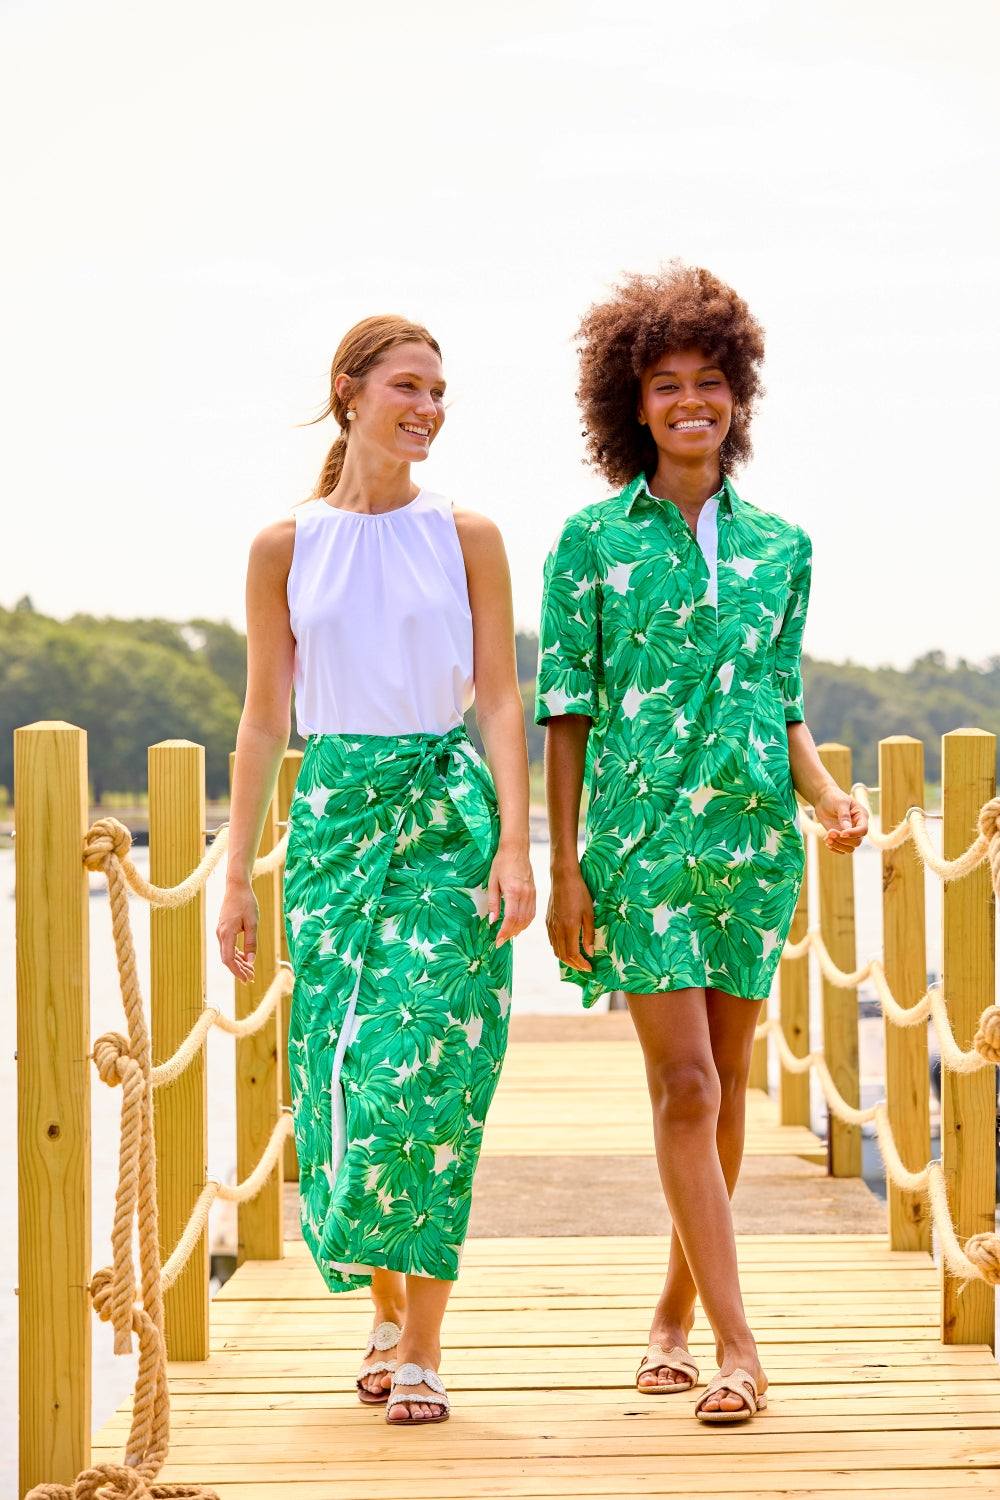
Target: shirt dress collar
{"x":637,"y":494}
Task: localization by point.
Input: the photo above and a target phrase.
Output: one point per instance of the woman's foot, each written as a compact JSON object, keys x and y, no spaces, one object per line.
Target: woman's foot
{"x":731,"y":1359}
{"x":422,"y":1403}
{"x":668,"y":1335}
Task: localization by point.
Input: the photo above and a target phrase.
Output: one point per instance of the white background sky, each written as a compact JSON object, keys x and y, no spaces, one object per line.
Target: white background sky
{"x":201,"y":196}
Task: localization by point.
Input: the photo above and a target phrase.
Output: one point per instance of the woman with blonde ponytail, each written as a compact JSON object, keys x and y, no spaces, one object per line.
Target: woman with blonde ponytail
{"x":407,"y":869}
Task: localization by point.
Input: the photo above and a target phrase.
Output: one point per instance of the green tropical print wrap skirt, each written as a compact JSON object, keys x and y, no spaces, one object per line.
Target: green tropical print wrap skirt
{"x":685,"y":653}
{"x":399,"y":1012}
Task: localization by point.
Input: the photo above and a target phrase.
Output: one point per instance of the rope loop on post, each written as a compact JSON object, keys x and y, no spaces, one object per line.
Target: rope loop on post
{"x":987,"y":1039}
{"x":106,"y":838}
{"x":111,"y":1057}
{"x":984,"y":1252}
{"x":116,"y":1482}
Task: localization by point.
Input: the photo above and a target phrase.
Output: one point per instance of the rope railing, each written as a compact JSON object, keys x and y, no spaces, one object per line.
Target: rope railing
{"x":980,"y":1257}
{"x":240,"y":1192}
{"x":914,"y":826}
{"x":108,"y":834}
{"x":127,"y":1060}
{"x":985,"y":1051}
{"x":280,"y":986}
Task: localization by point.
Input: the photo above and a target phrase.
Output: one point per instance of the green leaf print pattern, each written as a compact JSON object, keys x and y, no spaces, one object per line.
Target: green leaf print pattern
{"x":693,"y":856}
{"x":390,"y":846}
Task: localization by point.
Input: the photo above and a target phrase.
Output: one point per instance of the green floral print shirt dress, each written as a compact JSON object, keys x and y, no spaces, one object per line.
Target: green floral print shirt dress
{"x":685,"y":653}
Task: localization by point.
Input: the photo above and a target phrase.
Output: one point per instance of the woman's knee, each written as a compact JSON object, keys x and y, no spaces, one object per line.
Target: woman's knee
{"x":685,"y":1091}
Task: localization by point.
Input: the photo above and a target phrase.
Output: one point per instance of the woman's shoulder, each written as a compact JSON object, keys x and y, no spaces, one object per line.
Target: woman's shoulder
{"x":480,"y":539}
{"x":580,"y":524}
{"x":773,"y":526}
{"x":474,"y":527}
{"x":272,"y":547}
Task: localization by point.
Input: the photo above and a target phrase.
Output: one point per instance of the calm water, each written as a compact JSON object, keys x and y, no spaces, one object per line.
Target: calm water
{"x":537,"y":989}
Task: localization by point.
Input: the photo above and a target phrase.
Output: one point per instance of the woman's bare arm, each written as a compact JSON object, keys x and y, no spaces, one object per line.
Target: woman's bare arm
{"x":844,"y":819}
{"x":262,"y":737}
{"x":570,"y":917}
{"x":500,"y":715}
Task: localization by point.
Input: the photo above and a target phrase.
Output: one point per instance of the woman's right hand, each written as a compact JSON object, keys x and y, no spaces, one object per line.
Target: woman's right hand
{"x":570,"y":916}
{"x":238,"y":917}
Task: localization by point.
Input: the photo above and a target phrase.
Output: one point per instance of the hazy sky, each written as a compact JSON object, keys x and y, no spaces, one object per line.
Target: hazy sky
{"x":201,"y":196}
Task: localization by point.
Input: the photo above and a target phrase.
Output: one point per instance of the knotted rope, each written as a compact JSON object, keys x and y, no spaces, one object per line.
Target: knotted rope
{"x":128,"y":1061}
{"x":989,"y":829}
{"x":987,"y":1039}
{"x":113,"y":1482}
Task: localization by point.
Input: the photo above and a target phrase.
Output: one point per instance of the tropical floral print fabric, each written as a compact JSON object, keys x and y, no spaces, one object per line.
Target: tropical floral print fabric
{"x":693,"y":856}
{"x":390,"y":845}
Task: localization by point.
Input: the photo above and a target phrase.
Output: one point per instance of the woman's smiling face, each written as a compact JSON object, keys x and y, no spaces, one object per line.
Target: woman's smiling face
{"x":399,"y":406}
{"x":687,"y":403}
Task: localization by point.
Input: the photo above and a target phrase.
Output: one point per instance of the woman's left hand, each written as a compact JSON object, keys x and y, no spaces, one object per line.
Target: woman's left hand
{"x":845,"y":820}
{"x":512,"y":881}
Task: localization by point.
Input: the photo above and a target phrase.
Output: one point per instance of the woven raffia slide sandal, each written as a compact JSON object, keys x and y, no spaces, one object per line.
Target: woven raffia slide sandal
{"x":677,"y":1360}
{"x":381,"y":1339}
{"x":740,"y":1383}
{"x":413,"y":1375}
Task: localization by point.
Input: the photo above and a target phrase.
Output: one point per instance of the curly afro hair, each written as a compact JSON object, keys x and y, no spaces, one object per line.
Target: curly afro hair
{"x":683,"y":307}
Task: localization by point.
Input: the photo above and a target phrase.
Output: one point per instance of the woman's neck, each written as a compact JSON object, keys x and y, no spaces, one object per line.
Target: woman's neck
{"x":372,"y":482}
{"x":686,"y":486}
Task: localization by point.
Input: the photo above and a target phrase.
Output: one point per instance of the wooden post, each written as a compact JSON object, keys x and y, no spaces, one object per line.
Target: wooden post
{"x":287,"y":777}
{"x":793,"y":983}
{"x":177,"y":998}
{"x":758,"y":1062}
{"x":258,"y":1071}
{"x":53,"y":1102}
{"x":840,"y":1007}
{"x":907,"y":1077}
{"x":968,"y":1101}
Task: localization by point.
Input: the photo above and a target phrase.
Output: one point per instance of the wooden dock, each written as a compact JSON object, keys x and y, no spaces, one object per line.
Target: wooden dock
{"x":589,"y":1105}
{"x":543,"y":1336}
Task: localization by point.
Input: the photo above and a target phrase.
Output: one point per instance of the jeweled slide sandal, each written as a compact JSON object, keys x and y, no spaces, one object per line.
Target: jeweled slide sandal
{"x":414,"y":1375}
{"x":381,"y":1339}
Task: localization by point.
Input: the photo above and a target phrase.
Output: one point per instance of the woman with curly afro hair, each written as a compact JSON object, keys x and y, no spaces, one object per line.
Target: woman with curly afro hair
{"x":669,"y":676}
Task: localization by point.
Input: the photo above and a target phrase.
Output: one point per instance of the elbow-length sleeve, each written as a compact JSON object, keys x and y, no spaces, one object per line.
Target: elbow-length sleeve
{"x":569,"y":638}
{"x":788,"y":646}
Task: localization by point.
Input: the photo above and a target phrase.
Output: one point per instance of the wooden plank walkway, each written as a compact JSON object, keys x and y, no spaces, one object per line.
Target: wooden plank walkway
{"x":598,"y":1105}
{"x":542,"y":1338}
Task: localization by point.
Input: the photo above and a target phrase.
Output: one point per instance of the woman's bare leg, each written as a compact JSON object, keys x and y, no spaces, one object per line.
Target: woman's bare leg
{"x":731,"y":1023}
{"x":679,"y":1033}
{"x":426,"y":1300}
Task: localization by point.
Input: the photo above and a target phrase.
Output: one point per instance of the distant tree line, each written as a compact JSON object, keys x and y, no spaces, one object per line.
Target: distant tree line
{"x":131,"y":683}
{"x":861,"y":705}
{"x":128,"y":683}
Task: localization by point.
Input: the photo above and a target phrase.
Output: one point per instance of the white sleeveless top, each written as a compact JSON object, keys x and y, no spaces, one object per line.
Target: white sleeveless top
{"x":380,"y":613}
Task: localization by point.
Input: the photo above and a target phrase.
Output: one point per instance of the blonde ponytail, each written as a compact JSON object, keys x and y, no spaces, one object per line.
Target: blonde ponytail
{"x":333,"y":466}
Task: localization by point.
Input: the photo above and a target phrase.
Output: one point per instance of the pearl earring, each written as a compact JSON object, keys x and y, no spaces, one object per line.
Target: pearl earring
{"x":351,"y":415}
